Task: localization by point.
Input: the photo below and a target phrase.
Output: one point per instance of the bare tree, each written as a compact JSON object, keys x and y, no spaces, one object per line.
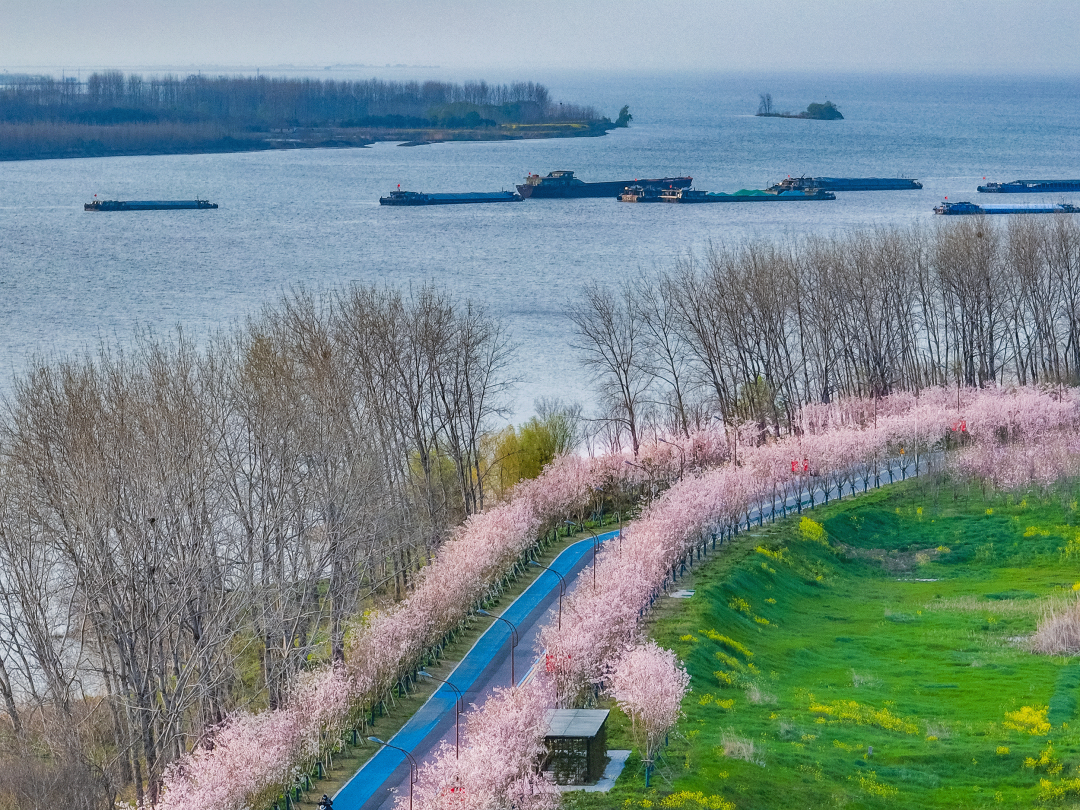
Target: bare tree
{"x":610,"y":340}
{"x":167,"y":512}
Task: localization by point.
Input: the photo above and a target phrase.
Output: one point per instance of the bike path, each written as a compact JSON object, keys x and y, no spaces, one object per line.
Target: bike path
{"x":473,"y":676}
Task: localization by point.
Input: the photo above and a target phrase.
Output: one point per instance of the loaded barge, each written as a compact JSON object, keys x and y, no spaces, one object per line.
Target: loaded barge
{"x":693,"y":195}
{"x":563,"y":184}
{"x":1030,"y":186}
{"x":148,"y":205}
{"x":955,"y":208}
{"x":845,"y":184}
{"x":400,"y":197}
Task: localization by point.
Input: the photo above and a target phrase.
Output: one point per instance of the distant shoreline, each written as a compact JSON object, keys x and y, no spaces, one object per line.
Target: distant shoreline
{"x":114,"y":114}
{"x":48,"y":142}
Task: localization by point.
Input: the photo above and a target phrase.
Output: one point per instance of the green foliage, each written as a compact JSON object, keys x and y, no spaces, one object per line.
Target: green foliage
{"x":461,"y":115}
{"x":522,"y":453}
{"x":823,"y":112}
{"x":540,"y":442}
{"x":502,"y":469}
{"x":625,"y":117}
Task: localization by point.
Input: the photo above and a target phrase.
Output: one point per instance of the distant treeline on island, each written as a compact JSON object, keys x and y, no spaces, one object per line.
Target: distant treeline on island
{"x":821,"y":112}
{"x":114,"y":113}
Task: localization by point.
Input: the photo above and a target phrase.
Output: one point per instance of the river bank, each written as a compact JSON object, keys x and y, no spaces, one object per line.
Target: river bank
{"x":47,"y":141}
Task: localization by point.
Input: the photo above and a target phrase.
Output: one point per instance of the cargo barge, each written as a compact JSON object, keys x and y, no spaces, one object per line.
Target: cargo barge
{"x":956,"y":208}
{"x":563,"y":184}
{"x":148,"y":205}
{"x":845,"y":184}
{"x":1030,"y":186}
{"x":419,"y":198}
{"x":693,"y":195}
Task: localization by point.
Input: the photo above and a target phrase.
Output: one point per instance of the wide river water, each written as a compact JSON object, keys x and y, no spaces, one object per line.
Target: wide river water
{"x":69,"y":279}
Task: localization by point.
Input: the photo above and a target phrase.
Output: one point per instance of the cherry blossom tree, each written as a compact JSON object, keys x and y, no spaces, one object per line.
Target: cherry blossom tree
{"x":649,"y":684}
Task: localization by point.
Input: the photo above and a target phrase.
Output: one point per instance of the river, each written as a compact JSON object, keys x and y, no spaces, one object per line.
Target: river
{"x":70,"y":279}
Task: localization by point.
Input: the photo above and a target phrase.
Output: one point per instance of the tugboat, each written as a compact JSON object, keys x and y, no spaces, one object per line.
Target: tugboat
{"x":563,"y":184}
{"x":148,"y":205}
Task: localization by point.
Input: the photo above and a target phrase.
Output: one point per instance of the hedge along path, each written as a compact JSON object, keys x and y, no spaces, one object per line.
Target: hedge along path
{"x":842,"y":447}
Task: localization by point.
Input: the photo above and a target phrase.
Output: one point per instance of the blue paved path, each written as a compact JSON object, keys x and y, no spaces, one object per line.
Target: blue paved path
{"x":473,"y":676}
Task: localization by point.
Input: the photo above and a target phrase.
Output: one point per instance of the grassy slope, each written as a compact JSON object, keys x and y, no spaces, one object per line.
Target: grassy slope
{"x":857,"y":653}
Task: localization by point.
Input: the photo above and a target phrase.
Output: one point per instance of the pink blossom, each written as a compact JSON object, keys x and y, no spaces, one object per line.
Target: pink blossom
{"x":649,"y":684}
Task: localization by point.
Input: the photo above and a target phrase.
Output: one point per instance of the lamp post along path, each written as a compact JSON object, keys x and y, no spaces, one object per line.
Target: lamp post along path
{"x":597,"y":542}
{"x":459,"y":706}
{"x":414,"y":770}
{"x":562,"y":586}
{"x":513,"y":641}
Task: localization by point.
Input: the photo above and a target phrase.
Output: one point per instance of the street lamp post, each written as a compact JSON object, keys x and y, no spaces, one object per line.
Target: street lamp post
{"x":414,"y":771}
{"x":459,"y":704}
{"x":562,"y":585}
{"x":595,"y":546}
{"x":513,"y":641}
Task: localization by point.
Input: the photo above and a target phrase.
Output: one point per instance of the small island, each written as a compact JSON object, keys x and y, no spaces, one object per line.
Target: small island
{"x":112,"y":113}
{"x":819,"y":112}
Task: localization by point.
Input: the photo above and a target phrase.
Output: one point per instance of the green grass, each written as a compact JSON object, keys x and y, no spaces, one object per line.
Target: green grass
{"x":811,"y":654}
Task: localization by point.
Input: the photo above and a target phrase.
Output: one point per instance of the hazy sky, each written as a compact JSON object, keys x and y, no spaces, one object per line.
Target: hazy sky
{"x":979,"y":36}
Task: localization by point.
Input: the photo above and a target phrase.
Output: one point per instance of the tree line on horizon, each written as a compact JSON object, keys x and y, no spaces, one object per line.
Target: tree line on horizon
{"x":113,"y":98}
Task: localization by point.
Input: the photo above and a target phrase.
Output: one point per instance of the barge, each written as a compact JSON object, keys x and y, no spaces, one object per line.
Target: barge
{"x":959,"y":208}
{"x":148,"y":205}
{"x":563,"y":184}
{"x":1030,"y":186}
{"x":693,"y":195}
{"x":400,"y":197}
{"x":845,"y":184}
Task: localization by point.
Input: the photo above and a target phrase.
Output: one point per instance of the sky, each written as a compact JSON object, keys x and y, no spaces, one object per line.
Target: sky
{"x":517,"y":36}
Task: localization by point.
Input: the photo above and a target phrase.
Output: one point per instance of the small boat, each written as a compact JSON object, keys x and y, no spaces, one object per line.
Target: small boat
{"x":149,"y":205}
{"x":960,"y":208}
{"x":400,"y":197}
